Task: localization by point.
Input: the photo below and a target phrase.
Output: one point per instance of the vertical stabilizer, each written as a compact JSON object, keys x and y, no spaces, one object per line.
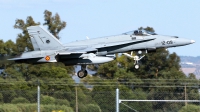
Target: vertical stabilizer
{"x":42,"y":39}
{"x":35,"y":45}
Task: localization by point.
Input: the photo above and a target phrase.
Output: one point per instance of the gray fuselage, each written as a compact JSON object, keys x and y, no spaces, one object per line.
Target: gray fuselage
{"x":124,"y":43}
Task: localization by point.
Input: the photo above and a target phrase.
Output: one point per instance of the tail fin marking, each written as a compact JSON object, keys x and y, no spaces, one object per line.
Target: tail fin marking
{"x":43,"y":40}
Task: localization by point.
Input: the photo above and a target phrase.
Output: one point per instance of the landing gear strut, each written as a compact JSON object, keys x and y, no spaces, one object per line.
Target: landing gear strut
{"x":83,"y":72}
{"x":136,"y":58}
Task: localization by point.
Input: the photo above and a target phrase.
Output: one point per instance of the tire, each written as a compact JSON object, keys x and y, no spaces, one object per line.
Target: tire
{"x":85,"y":73}
{"x":81,"y":74}
{"x":137,"y":66}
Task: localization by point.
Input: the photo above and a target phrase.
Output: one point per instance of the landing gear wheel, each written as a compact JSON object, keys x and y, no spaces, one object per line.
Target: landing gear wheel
{"x":137,"y":66}
{"x":85,"y":73}
{"x":82,"y":74}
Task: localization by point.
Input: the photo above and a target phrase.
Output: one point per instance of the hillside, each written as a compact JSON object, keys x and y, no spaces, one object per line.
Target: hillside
{"x":190,"y":64}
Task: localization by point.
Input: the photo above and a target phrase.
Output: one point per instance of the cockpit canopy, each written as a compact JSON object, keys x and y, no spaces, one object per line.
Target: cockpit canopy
{"x":140,"y":33}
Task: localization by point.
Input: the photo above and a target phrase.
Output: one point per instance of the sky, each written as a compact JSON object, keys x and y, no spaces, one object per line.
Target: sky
{"x":98,"y":18}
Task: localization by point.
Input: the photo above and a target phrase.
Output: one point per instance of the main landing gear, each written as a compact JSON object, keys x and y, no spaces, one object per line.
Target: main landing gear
{"x":135,"y":58}
{"x":83,"y":72}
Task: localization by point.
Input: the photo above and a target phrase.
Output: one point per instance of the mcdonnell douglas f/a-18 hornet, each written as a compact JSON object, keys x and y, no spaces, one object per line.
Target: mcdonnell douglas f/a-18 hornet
{"x":47,"y":48}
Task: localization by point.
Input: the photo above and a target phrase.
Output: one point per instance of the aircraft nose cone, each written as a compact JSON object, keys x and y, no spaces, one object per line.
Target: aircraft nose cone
{"x":192,"y":41}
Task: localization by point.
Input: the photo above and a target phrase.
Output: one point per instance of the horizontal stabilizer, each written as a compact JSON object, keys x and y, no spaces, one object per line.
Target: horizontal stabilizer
{"x":24,"y":58}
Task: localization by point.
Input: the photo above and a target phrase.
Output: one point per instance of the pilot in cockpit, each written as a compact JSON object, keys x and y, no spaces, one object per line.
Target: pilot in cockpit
{"x":135,"y":32}
{"x":138,"y":32}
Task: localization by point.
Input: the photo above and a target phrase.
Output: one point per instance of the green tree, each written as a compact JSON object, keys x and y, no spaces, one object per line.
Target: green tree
{"x":104,"y":96}
{"x":10,"y":48}
{"x":2,"y":48}
{"x":2,"y":54}
{"x":54,"y":23}
{"x":107,"y":70}
{"x":23,"y":39}
{"x":7,"y":50}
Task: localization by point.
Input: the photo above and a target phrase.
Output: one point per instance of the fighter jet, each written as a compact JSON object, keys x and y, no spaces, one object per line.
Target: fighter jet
{"x":49,"y":49}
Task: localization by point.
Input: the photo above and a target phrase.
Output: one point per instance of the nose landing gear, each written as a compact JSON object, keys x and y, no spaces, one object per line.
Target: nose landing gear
{"x":135,"y":58}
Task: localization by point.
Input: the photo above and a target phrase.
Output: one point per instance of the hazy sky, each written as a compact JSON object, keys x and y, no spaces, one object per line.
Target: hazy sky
{"x":98,"y":18}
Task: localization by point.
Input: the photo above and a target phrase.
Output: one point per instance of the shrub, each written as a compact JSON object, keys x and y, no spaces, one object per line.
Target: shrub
{"x":56,"y":108}
{"x":27,"y":107}
{"x":92,"y":108}
{"x":62,"y":102}
{"x":1,"y":98}
{"x":47,"y":99}
{"x":33,"y":108}
{"x":19,"y":100}
{"x":190,"y":108}
{"x":9,"y":108}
